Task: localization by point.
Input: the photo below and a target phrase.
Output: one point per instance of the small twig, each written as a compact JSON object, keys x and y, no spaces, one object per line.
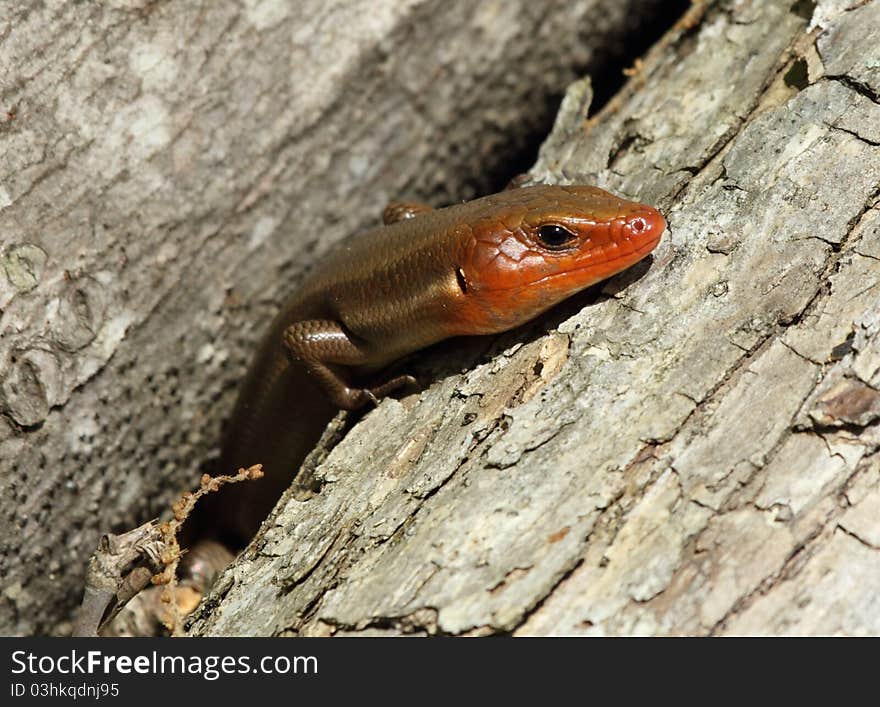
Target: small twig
{"x":172,"y":554}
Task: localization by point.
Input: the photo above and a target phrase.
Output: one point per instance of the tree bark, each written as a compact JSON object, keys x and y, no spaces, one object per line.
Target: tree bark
{"x":692,"y":449}
{"x":169,"y":169}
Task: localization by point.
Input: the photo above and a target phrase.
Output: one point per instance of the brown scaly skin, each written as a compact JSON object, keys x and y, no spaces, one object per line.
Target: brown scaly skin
{"x":480,"y":267}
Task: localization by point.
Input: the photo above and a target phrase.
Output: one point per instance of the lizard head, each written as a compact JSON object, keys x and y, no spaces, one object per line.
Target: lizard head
{"x":533,"y":247}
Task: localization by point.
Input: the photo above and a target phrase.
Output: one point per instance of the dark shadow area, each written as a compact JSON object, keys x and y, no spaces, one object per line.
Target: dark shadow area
{"x":606,"y":73}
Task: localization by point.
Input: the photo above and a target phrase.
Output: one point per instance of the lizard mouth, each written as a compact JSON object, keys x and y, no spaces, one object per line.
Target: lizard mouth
{"x":625,"y":259}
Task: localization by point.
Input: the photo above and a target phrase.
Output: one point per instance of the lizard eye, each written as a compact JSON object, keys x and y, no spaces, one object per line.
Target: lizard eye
{"x":638,"y":225}
{"x":555,"y":236}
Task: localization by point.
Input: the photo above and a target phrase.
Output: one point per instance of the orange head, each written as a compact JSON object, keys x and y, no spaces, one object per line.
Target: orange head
{"x":533,"y":247}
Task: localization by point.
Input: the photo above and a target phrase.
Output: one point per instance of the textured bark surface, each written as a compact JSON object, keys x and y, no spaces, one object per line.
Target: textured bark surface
{"x":168,"y":170}
{"x":692,"y":449}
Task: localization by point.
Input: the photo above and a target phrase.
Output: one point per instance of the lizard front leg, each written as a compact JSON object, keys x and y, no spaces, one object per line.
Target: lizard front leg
{"x":317,"y":344}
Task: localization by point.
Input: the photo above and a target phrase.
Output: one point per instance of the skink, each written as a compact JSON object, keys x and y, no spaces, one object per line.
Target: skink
{"x":479,"y":267}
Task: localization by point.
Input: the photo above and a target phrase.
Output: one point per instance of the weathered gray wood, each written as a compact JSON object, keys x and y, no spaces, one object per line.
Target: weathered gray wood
{"x":694,"y":452}
{"x":168,"y":169}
